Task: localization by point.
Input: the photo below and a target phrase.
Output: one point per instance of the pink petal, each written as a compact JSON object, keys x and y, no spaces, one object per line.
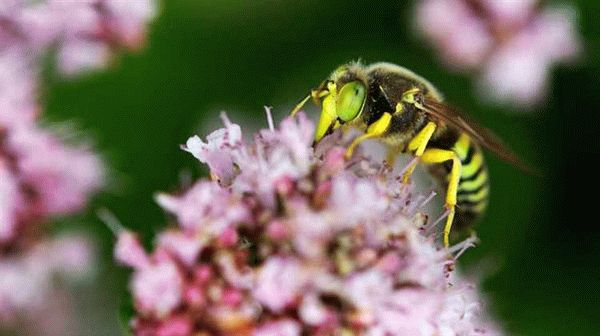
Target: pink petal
{"x":129,"y":251}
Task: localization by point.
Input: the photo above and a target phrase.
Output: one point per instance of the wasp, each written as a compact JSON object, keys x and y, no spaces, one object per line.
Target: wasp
{"x":408,"y":114}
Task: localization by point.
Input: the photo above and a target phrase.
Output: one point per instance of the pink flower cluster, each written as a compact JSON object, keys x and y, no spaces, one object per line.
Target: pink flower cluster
{"x":28,"y":283}
{"x":84,"y":32}
{"x":511,"y":44}
{"x":287,"y":241}
{"x":43,"y":174}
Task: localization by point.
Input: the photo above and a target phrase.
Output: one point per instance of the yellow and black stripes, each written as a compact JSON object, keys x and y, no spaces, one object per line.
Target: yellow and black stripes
{"x":473,"y":188}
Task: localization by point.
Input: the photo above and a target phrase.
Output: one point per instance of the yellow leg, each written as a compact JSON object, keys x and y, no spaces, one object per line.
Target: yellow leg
{"x":375,"y":130}
{"x":435,"y":155}
{"x":328,"y":113}
{"x":315,"y":95}
{"x":299,"y":106}
{"x":418,"y":145}
{"x":356,"y":142}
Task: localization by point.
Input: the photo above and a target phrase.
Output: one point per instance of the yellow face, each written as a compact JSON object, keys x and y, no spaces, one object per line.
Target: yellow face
{"x":342,"y":102}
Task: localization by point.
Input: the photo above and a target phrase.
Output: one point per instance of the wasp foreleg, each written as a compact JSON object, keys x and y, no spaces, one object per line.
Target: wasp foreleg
{"x":299,"y":106}
{"x":418,"y":145}
{"x":375,"y":130}
{"x":316,"y":95}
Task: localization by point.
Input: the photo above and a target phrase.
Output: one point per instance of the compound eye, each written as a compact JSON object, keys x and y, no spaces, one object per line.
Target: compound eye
{"x":350,"y":100}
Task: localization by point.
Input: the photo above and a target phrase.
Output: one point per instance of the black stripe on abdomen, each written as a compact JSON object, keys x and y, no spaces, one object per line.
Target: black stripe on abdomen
{"x":473,"y":188}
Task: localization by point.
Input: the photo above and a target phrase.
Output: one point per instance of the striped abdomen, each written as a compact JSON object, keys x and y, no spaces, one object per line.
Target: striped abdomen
{"x":474,"y":187}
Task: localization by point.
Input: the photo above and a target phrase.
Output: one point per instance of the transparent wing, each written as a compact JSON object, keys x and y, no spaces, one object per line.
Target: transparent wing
{"x":479,"y":134}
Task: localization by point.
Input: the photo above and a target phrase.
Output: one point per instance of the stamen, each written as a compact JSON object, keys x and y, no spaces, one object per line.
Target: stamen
{"x":414,"y":205}
{"x":411,"y":163}
{"x":225,"y":119}
{"x":432,"y":194}
{"x":110,"y":220}
{"x":439,"y":220}
{"x":270,"y":118}
{"x":461,"y":247}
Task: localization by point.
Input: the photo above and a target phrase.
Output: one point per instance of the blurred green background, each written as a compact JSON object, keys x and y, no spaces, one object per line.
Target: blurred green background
{"x":206,"y":56}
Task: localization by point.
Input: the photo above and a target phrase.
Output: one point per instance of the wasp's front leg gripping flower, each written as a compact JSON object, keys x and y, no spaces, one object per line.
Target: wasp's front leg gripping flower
{"x":289,"y":242}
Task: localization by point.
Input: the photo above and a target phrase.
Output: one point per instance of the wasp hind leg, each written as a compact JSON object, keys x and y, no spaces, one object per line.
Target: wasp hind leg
{"x":418,"y":145}
{"x":435,"y":155}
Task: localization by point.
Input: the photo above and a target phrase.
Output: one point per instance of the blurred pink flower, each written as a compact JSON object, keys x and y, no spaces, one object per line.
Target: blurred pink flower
{"x":202,"y":206}
{"x":42,"y":175}
{"x":511,"y":45}
{"x":282,"y":276}
{"x":509,"y":13}
{"x":128,"y":19}
{"x":10,"y":203}
{"x":62,"y":177}
{"x":18,"y":89}
{"x":129,"y":251}
{"x":158,"y":288}
{"x":184,"y":247}
{"x":296,"y":241}
{"x":279,"y":328}
{"x":84,"y":32}
{"x":79,"y":55}
{"x":29,"y":280}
